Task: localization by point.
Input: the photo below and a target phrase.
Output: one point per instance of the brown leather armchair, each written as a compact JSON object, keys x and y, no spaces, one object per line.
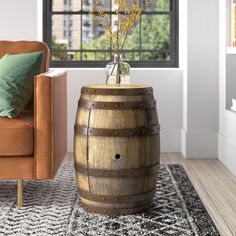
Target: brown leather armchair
{"x":33,"y":145}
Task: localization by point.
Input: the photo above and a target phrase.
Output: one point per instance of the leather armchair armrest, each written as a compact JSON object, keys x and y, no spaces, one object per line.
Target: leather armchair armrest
{"x":50,"y":123}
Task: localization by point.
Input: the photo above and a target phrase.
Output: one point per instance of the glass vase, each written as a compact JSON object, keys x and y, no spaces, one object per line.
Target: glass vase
{"x":118,"y":71}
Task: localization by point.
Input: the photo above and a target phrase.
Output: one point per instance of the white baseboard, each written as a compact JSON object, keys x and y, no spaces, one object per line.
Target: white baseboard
{"x":227,"y":153}
{"x":183,"y":142}
{"x":199,"y":145}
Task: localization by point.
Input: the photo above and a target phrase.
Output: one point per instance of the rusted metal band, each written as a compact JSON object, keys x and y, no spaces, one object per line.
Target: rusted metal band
{"x":117,"y":91}
{"x":117,"y":211}
{"x":117,"y":199}
{"x":87,"y":104}
{"x":127,"y":132}
{"x":122,"y":173}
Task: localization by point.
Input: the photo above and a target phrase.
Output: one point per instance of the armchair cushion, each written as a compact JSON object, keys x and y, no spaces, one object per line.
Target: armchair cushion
{"x":16,"y":135}
{"x":17,"y":73}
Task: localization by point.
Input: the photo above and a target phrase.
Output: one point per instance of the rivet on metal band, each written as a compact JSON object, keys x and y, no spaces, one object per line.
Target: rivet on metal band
{"x":117,"y":211}
{"x":127,"y":132}
{"x":122,"y":173}
{"x":120,"y":92}
{"x":121,"y":199}
{"x":88,"y":104}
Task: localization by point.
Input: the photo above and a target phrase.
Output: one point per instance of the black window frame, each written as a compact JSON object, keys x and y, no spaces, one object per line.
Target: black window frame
{"x":174,"y":41}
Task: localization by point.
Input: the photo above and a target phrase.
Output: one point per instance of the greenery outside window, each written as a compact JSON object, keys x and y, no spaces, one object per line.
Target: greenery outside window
{"x":77,"y":40}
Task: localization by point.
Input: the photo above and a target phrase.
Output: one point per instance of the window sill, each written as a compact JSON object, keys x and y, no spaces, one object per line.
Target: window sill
{"x":102,"y":69}
{"x":231,"y":50}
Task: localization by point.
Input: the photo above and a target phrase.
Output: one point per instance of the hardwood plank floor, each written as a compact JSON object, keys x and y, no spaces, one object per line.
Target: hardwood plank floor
{"x":215,"y":185}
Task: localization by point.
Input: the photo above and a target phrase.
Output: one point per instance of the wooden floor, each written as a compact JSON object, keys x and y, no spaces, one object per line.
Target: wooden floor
{"x":216,"y":187}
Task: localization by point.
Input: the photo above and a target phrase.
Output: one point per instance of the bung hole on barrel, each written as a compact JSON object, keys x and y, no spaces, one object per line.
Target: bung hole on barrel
{"x":117,"y":156}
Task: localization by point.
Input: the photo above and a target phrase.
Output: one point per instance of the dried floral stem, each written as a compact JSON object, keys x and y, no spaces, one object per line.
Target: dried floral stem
{"x":124,"y":41}
{"x":126,"y":19}
{"x":118,"y":50}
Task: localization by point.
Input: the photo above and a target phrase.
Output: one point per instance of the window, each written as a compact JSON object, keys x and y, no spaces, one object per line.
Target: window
{"x":65,"y":35}
{"x":153,"y":42}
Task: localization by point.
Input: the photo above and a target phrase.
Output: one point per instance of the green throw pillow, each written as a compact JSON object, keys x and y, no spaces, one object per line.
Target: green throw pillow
{"x":17,"y":73}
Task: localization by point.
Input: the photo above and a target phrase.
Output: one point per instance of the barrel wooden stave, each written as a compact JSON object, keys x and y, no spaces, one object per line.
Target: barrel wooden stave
{"x":118,"y":186}
{"x":135,"y":152}
{"x":132,"y":204}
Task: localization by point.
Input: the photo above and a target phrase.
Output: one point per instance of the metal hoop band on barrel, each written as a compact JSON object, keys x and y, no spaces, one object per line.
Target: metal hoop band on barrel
{"x":121,"y":173}
{"x":117,"y":91}
{"x":114,"y":199}
{"x":128,"y":132}
{"x":87,"y":104}
{"x":118,"y":211}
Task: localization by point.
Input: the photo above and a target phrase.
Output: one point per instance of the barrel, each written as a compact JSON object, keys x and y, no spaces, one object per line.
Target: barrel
{"x":116,"y":148}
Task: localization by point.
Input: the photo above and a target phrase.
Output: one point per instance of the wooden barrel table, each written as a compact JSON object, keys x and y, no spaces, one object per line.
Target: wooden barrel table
{"x":116,"y":148}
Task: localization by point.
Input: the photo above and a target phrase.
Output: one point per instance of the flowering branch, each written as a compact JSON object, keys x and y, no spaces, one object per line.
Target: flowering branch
{"x":126,"y":18}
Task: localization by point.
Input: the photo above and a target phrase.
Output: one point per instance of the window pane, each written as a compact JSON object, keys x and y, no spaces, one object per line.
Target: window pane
{"x":66,"y":5}
{"x":76,"y":34}
{"x":66,"y":30}
{"x":94,"y":36}
{"x":133,"y":38}
{"x":155,"y":56}
{"x":65,"y":36}
{"x":96,"y":4}
{"x":155,"y":32}
{"x":131,"y":56}
{"x":96,"y":56}
{"x":155,"y":5}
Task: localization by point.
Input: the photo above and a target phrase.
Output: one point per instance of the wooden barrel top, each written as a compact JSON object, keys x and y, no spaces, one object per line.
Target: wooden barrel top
{"x":124,"y":89}
{"x":113,"y":86}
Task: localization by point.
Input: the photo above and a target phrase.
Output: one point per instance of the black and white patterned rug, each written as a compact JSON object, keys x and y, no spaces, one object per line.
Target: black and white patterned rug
{"x":53,"y":208}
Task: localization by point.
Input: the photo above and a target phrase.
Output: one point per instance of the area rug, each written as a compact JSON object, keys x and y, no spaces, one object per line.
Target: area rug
{"x":53,"y":208}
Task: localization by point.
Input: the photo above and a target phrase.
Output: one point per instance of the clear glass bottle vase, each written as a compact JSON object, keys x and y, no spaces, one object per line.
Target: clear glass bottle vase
{"x":117,"y":71}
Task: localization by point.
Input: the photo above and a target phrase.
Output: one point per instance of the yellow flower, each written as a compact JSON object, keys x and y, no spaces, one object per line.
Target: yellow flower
{"x":125,"y":16}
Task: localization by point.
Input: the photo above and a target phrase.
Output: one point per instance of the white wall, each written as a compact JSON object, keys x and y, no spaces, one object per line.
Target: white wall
{"x":227,"y":125}
{"x":201,"y":88}
{"x":183,"y":62}
{"x":18,"y":19}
